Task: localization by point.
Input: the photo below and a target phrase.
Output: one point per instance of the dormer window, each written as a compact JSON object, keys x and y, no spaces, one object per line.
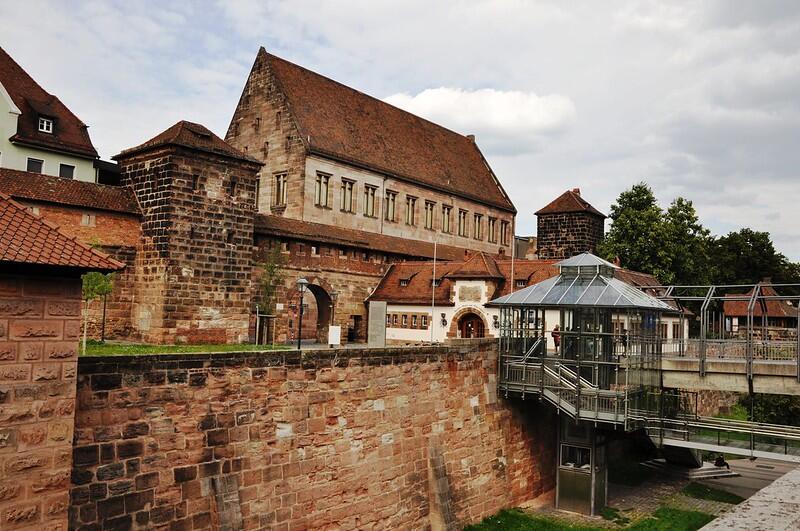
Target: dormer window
{"x":521,"y":283}
{"x":45,"y":125}
{"x":436,"y":282}
{"x":404,"y":282}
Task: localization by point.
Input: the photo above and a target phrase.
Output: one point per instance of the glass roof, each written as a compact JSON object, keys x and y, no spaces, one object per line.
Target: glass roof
{"x":574,"y":287}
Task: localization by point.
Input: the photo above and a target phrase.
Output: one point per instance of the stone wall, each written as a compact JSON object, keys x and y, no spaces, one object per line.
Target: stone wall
{"x":561,"y":236}
{"x":39,"y":330}
{"x":348,"y":439}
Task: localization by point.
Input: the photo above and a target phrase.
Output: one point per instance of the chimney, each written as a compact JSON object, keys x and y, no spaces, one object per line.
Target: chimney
{"x":576,"y":191}
{"x":471,"y":138}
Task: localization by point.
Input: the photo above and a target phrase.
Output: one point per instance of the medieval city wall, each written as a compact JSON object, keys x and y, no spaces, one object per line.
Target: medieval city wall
{"x":398,"y":438}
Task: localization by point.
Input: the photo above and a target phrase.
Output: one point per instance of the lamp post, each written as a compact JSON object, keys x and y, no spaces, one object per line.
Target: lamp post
{"x":302,"y":286}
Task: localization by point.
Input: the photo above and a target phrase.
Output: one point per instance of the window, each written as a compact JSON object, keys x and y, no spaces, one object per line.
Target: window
{"x":446,"y":218}
{"x":232,"y":186}
{"x":676,"y":331}
{"x":369,"y":200}
{"x":662,"y":330}
{"x":576,"y":457}
{"x":413,"y":321}
{"x":66,"y":171}
{"x":477,"y":221}
{"x":279,"y":199}
{"x":195,"y":182}
{"x":404,"y":282}
{"x":504,"y":232}
{"x":45,"y":125}
{"x":411,"y":210}
{"x":394,"y":319}
{"x":389,"y":206}
{"x":321,"y":190}
{"x":429,"y":206}
{"x":388,"y":319}
{"x":436,"y":282}
{"x":463,"y":229}
{"x":346,"y":196}
{"x":35,"y":165}
{"x":520,"y":283}
{"x":88,"y":220}
{"x":315,"y":250}
{"x":491,"y":230}
{"x":34,"y":210}
{"x":424,"y":321}
{"x":405,"y":321}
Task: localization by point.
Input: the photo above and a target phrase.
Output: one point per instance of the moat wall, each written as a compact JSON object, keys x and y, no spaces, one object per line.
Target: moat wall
{"x":400,"y":438}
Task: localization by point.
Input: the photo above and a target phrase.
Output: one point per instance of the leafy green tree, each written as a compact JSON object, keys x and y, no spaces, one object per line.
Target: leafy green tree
{"x":638,"y":233}
{"x":95,"y":285}
{"x":271,"y":278}
{"x":748,"y":256}
{"x":687,"y":243}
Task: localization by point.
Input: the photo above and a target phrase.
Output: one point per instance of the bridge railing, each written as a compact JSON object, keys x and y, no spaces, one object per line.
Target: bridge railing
{"x":733,"y":349}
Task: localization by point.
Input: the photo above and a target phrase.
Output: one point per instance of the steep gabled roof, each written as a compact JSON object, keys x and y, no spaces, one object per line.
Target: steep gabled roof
{"x":478,"y":266}
{"x":27,"y":239}
{"x":69,"y":134}
{"x":46,"y":188}
{"x":339,"y":122}
{"x":569,"y":201}
{"x":189,"y":135}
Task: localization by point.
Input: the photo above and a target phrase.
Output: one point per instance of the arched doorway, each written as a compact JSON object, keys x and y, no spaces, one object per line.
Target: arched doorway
{"x":471,"y":326}
{"x":317,"y":313}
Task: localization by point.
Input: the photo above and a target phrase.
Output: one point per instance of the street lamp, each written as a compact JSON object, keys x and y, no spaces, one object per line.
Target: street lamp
{"x":302,"y":286}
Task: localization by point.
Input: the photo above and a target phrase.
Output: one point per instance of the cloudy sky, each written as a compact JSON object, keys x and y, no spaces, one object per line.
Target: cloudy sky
{"x":697,"y":100}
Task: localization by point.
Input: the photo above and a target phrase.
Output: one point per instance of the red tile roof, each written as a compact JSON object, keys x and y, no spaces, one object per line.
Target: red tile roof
{"x":28,"y":186}
{"x":569,"y":201}
{"x":477,"y":266}
{"x":189,"y":135}
{"x":775,"y":307}
{"x":339,"y":122}
{"x":27,"y":239}
{"x":318,"y":232}
{"x":69,"y":133}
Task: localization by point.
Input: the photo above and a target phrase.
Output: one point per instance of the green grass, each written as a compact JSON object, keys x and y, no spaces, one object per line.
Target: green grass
{"x":96,"y":348}
{"x":612,"y":515}
{"x":664,"y":519}
{"x":737,"y":412}
{"x":696,"y":490}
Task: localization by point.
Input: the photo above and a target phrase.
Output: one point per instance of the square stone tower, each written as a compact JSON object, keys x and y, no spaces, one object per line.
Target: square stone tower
{"x":193,"y":270}
{"x":569,"y":225}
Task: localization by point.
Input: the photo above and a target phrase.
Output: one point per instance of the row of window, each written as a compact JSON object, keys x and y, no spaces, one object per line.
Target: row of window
{"x":87,"y":220}
{"x":66,"y":171}
{"x":417,"y":321}
{"x":348,"y":203}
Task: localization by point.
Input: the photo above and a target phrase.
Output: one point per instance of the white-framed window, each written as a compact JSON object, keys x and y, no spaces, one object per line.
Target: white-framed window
{"x":429,"y":206}
{"x":413,"y":321}
{"x":411,"y":210}
{"x":477,"y":226}
{"x":446,"y":218}
{"x":45,"y":125}
{"x":321,"y":190}
{"x":88,"y":220}
{"x":492,"y":230}
{"x":424,"y":321}
{"x":279,"y":199}
{"x":35,"y":165}
{"x":346,"y":196}
{"x":369,"y":200}
{"x":389,"y":205}
{"x":463,"y":227}
{"x":66,"y":171}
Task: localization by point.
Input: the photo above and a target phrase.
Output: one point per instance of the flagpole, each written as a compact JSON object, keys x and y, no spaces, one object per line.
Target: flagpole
{"x":433,"y":289}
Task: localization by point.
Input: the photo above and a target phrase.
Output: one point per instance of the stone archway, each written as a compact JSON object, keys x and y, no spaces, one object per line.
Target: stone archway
{"x":317,"y":312}
{"x":468,"y":323}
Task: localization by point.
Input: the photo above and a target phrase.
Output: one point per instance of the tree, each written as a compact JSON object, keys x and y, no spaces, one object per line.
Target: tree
{"x":687,"y":243}
{"x":271,"y":278}
{"x":748,"y":256}
{"x":637,"y":234}
{"x":95,"y":285}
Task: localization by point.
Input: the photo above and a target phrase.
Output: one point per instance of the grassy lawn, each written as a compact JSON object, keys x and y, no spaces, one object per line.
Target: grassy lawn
{"x":664,"y":519}
{"x":696,"y":490}
{"x":96,"y":348}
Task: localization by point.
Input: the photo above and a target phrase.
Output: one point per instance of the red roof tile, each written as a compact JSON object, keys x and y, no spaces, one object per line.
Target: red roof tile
{"x":478,"y":266}
{"x":339,"y":122}
{"x":775,"y":307}
{"x":318,"y":232}
{"x":69,"y":133}
{"x":27,"y":239}
{"x":569,"y":201}
{"x":37,"y":187}
{"x":193,"y":136}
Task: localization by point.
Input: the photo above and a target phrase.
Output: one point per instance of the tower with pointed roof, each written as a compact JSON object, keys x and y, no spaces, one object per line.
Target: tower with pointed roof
{"x":567,"y":226}
{"x":194,"y":266}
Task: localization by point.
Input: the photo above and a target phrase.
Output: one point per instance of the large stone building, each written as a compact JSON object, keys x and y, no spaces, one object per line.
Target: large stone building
{"x":331,"y":184}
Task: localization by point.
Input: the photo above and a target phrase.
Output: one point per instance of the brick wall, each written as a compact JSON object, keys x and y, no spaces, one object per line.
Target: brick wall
{"x":39,"y":330}
{"x":194,"y":267}
{"x":335,"y":439}
{"x":561,"y":236}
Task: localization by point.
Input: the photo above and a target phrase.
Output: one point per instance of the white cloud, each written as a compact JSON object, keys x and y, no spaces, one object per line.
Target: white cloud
{"x":505,"y":122}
